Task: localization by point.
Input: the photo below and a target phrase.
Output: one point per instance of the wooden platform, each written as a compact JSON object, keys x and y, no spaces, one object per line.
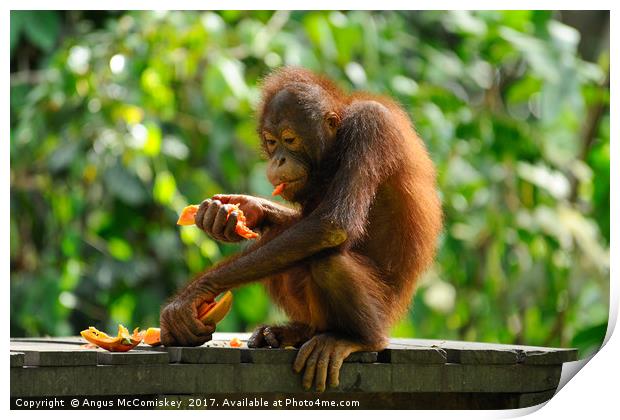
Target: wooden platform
{"x":409,"y":374}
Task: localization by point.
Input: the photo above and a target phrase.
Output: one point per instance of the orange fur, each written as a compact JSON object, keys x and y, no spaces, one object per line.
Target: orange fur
{"x":396,"y":240}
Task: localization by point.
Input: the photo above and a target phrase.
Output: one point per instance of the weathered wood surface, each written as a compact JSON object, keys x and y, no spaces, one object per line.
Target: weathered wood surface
{"x":64,"y":367}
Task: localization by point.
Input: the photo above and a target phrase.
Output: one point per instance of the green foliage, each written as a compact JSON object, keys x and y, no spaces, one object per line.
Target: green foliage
{"x":129,"y":122}
{"x":39,"y":27}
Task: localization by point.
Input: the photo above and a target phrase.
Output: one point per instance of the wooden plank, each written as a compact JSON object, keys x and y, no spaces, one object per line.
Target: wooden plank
{"x":268,"y":356}
{"x":490,"y":353}
{"x":484,"y":356}
{"x":400,"y":351}
{"x":133,"y":357}
{"x":534,"y":398}
{"x":362,"y":357}
{"x":17,"y":359}
{"x":549,"y":357}
{"x":174,"y":353}
{"x":250,"y":377}
{"x":209,"y":355}
{"x":474,"y":378}
{"x":183,"y":378}
{"x":53,"y":354}
{"x":354,"y":377}
{"x":397,"y":353}
{"x":287,"y":356}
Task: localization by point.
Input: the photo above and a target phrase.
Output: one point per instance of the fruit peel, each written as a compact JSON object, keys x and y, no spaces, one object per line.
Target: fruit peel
{"x":121,"y":343}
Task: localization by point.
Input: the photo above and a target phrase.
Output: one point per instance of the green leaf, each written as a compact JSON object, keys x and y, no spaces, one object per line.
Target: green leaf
{"x":42,"y":28}
{"x":152,"y":145}
{"x":120,"y":249}
{"x":125,"y":185}
{"x":63,"y":156}
{"x":164,"y":188}
{"x":320,"y":34}
{"x":590,"y":339}
{"x":17,"y":21}
{"x":122,"y":309}
{"x":252,"y":303}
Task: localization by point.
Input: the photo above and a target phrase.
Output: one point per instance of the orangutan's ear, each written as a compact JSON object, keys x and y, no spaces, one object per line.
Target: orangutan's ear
{"x":332,"y":122}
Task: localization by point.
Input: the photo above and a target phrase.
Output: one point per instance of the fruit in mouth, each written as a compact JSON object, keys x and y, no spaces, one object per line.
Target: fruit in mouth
{"x":278,"y":189}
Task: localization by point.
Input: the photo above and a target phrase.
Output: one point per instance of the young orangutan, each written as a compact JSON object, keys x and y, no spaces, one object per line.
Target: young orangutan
{"x":343,"y":266}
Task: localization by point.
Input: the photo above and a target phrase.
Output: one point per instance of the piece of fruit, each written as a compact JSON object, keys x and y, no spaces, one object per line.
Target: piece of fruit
{"x":213,"y":312}
{"x":208,"y":312}
{"x":235,"y":342}
{"x":278,"y":189}
{"x":152,"y":336}
{"x":241,"y":228}
{"x":187,"y":215}
{"x":122,"y":342}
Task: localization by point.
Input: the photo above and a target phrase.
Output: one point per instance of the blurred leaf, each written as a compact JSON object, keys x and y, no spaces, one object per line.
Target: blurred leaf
{"x":121,"y":311}
{"x":131,"y":114}
{"x":125,"y":185}
{"x":164,"y":188}
{"x":252,"y":303}
{"x":120,"y":249}
{"x":320,"y":34}
{"x":42,"y":27}
{"x":63,"y":156}
{"x":590,"y":339}
{"x":535,"y":51}
{"x":17,"y":22}
{"x":152,"y":145}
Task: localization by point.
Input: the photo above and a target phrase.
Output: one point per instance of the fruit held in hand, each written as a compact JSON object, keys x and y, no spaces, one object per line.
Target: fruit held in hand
{"x":241,"y":228}
{"x":208,"y":312}
{"x":189,"y":213}
{"x":214,"y":311}
{"x":122,"y":342}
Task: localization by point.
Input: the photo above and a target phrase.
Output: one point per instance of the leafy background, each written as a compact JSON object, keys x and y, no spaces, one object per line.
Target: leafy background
{"x":119,"y":119}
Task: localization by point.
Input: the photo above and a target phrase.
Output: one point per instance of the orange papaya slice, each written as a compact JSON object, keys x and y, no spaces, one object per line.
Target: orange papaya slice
{"x":213,"y":312}
{"x":152,"y":337}
{"x":121,"y":343}
{"x":235,"y":342}
{"x":187,"y":215}
{"x":241,"y":228}
{"x":208,"y":312}
{"x":278,"y":189}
